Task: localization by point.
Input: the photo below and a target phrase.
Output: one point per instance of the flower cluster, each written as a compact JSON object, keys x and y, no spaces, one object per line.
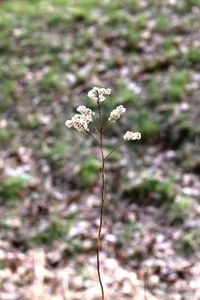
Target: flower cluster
{"x":80,"y":121}
{"x":86,"y":112}
{"x":116,"y":113}
{"x":97,"y":94}
{"x":131,"y":136}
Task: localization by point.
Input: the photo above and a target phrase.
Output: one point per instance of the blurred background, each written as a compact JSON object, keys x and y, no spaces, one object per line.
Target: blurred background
{"x":52,"y":52}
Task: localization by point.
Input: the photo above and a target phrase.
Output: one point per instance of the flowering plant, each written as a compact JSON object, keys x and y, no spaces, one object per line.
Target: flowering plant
{"x":81,"y":122}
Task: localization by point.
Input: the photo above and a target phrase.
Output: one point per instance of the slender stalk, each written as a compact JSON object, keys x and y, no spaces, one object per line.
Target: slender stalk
{"x":94,"y":139}
{"x":114,"y":150}
{"x":97,"y":131}
{"x":102,"y":200}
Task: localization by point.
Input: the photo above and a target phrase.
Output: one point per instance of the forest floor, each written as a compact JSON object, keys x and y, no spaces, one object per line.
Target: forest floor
{"x":52,"y":52}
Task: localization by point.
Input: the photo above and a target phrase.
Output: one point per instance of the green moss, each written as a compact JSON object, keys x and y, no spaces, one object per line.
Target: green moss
{"x":30,"y":122}
{"x":184,"y":6}
{"x":51,"y":80}
{"x":154,"y":91}
{"x":161,"y":24}
{"x":189,"y":242}
{"x":175,"y":89}
{"x":5,"y":136}
{"x":191,"y":58}
{"x":149,"y":128}
{"x":74,"y":247}
{"x":169,"y":48}
{"x":132,"y":40}
{"x":56,"y":230}
{"x":150,"y":191}
{"x":178,"y":211}
{"x":2,"y":264}
{"x":123,"y":95}
{"x":12,"y":187}
{"x":55,"y":154}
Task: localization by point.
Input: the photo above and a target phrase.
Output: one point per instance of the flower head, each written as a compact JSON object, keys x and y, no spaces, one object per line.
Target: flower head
{"x":116,"y":113}
{"x":131,"y":136}
{"x":86,"y":112}
{"x":97,"y":94}
{"x":80,"y":121}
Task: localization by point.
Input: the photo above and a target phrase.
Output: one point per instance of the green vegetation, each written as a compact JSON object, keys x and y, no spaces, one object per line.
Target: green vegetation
{"x":56,"y":153}
{"x":191,"y":58}
{"x":178,"y":211}
{"x":89,"y":172}
{"x":5,"y":136}
{"x":150,"y":190}
{"x":56,"y":230}
{"x":154,"y":89}
{"x":175,"y":89}
{"x":161,"y":24}
{"x":149,"y":128}
{"x":189,"y":242}
{"x":13,"y":187}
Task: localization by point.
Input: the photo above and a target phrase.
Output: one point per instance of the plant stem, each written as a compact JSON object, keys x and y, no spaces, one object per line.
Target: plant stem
{"x":114,"y":149}
{"x":102,"y":199}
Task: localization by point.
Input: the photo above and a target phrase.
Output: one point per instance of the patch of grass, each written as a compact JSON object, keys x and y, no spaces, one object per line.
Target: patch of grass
{"x":191,"y":58}
{"x":185,"y":6}
{"x":30,"y":122}
{"x":150,"y":191}
{"x":13,"y":187}
{"x":56,"y":153}
{"x":89,"y":171}
{"x":154,"y":91}
{"x":51,"y":80}
{"x":175,"y":89}
{"x":181,"y":129}
{"x":123,"y":95}
{"x":140,"y":21}
{"x":56,"y":230}
{"x":5,"y":136}
{"x":73,"y":247}
{"x":178,"y":211}
{"x":132,"y":40}
{"x":149,"y":128}
{"x":2,"y":264}
{"x":162,"y":24}
{"x":169,"y":48}
{"x":189,"y":242}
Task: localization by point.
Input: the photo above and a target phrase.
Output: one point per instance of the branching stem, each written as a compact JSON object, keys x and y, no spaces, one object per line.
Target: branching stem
{"x":114,"y":149}
{"x":102,"y":170}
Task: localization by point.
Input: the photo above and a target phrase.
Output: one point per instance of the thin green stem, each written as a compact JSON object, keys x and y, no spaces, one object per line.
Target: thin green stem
{"x":94,"y":139}
{"x":114,"y":149}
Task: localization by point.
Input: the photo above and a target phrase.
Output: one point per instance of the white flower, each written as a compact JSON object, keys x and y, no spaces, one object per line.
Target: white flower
{"x":86,"y":112}
{"x":97,"y":94}
{"x":80,"y":121}
{"x":131,"y":136}
{"x":116,"y":113}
